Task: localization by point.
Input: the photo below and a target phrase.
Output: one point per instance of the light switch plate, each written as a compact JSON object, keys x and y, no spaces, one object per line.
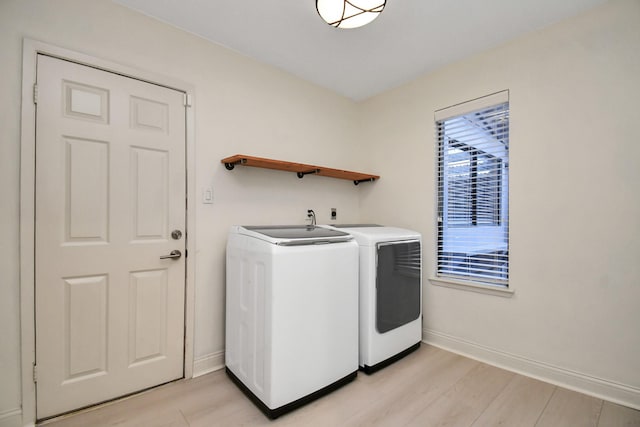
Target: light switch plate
{"x":207,"y":196}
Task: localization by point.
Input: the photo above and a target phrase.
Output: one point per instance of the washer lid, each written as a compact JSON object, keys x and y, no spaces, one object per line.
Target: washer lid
{"x":356,"y":225}
{"x":299,"y":234}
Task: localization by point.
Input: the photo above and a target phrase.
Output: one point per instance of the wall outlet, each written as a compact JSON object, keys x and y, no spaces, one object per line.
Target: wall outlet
{"x":334,"y":214}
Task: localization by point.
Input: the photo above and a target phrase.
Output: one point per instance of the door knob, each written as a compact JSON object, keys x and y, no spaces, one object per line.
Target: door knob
{"x":173,"y":255}
{"x":176,"y":234}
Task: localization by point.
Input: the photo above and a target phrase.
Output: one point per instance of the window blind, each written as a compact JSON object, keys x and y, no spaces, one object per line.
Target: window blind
{"x":473,"y":191}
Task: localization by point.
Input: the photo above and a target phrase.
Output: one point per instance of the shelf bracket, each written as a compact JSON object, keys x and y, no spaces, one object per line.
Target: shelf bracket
{"x":230,"y":166}
{"x":356,"y":182}
{"x":312,"y":172}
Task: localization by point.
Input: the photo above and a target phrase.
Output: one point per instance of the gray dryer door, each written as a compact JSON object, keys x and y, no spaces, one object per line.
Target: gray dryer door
{"x":398,"y":281}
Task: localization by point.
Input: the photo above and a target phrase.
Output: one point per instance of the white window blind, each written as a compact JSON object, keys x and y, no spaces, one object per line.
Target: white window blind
{"x":473,"y":190}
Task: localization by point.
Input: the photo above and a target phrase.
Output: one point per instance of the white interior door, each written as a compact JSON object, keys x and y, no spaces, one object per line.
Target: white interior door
{"x":110,"y":189}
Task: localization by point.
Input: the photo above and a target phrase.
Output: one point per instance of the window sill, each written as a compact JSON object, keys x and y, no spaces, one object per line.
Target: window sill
{"x":472,"y":287}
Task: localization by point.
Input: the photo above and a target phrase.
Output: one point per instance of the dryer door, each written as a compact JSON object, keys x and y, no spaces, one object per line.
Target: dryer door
{"x":398,"y":278}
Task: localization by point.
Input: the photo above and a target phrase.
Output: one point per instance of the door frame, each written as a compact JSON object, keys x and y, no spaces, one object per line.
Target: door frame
{"x":31,"y":49}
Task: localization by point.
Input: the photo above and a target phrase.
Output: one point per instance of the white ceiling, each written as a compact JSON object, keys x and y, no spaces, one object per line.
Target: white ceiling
{"x":410,"y":37}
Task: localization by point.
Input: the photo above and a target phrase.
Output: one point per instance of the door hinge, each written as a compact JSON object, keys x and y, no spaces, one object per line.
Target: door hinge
{"x":187,"y":100}
{"x":35,"y":93}
{"x":35,"y":373}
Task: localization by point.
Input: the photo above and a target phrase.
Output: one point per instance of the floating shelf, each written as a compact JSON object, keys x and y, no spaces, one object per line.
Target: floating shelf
{"x":300,"y":169}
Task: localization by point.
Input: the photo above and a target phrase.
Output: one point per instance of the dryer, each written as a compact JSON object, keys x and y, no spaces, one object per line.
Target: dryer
{"x":291,"y":313}
{"x":390,"y":302}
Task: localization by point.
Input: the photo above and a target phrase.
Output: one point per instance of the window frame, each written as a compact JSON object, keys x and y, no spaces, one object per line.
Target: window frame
{"x":468,"y":281}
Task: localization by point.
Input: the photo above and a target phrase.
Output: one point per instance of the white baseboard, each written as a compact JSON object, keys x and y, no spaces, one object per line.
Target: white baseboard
{"x":603,"y":389}
{"x":11,"y":418}
{"x":209,"y":363}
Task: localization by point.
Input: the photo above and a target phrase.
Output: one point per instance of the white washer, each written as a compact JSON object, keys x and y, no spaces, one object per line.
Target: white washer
{"x":390,"y":293}
{"x":292,"y":313}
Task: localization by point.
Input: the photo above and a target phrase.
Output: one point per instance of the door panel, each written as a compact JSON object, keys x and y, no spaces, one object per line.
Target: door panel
{"x":86,"y":190}
{"x":148,"y":309}
{"x":85,"y":334}
{"x":110,"y":187}
{"x":149,"y":191}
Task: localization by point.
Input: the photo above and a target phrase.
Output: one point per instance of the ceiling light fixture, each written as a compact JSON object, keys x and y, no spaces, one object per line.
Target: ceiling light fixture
{"x":349,"y":13}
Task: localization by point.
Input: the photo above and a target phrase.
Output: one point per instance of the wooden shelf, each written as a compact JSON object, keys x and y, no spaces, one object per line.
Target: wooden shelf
{"x":300,"y":169}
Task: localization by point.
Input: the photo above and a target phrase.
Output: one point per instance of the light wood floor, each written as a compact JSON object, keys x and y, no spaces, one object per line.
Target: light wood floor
{"x":430,"y":387}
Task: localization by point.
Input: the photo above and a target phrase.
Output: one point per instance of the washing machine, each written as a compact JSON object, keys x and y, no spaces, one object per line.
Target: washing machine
{"x":291,"y":313}
{"x":390,"y":321}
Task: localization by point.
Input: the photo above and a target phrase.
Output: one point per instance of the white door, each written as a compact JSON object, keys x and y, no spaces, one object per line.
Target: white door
{"x":110,"y":189}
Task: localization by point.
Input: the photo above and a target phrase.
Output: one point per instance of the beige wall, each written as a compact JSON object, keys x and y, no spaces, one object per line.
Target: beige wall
{"x":241,"y":106}
{"x":574,"y":200}
{"x":575,"y":204}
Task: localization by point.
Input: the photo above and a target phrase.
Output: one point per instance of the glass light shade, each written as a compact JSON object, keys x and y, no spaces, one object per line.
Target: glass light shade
{"x":349,"y":13}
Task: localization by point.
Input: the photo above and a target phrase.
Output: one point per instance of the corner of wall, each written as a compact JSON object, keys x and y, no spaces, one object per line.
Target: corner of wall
{"x":208,"y":363}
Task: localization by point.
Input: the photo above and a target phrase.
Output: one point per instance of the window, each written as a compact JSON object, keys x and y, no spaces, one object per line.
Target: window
{"x":472,"y":177}
{"x":473,"y":190}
